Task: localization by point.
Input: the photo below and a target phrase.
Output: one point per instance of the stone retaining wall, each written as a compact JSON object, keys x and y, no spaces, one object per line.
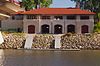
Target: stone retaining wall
{"x":79,"y":41}
{"x":42,"y":41}
{"x":45,"y":41}
{"x":12,"y":40}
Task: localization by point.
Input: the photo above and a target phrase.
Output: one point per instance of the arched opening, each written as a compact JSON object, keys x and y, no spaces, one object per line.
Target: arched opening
{"x":71,"y":29}
{"x":31,"y":29}
{"x":45,"y":29}
{"x":84,"y":29}
{"x":58,"y":29}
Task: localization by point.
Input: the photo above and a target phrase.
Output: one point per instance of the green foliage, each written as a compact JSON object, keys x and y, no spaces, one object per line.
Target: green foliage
{"x":92,"y":5}
{"x":19,"y":34}
{"x":46,"y":3}
{"x":99,"y":15}
{"x":97,"y":27}
{"x":30,"y":4}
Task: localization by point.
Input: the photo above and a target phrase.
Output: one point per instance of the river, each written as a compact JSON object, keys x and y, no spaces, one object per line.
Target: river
{"x":49,"y":58}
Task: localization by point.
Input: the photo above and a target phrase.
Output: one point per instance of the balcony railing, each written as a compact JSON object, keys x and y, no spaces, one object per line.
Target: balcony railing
{"x":60,"y":20}
{"x":30,"y":20}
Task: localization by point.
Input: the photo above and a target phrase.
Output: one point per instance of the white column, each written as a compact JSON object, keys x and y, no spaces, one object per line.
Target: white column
{"x":64,"y":18}
{"x":57,"y":41}
{"x":39,"y":23}
{"x":91,"y":18}
{"x":1,"y":38}
{"x":25,"y":28}
{"x":91,"y":25}
{"x":29,"y":41}
{"x":52,"y":24}
{"x":78,"y":25}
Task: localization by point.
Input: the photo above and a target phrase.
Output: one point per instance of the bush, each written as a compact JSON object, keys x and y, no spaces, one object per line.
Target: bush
{"x":97,"y":27}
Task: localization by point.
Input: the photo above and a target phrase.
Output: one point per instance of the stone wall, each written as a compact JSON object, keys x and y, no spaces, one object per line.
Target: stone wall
{"x":46,"y":41}
{"x":12,"y":40}
{"x":42,"y":41}
{"x":80,"y":41}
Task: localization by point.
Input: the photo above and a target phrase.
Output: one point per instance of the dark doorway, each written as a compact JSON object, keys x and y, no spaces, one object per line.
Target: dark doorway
{"x":70,"y":29}
{"x":45,"y":29}
{"x":84,"y":29}
{"x":31,"y":29}
{"x":58,"y":29}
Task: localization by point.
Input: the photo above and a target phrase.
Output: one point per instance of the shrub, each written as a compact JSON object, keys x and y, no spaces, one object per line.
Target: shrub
{"x":97,"y":27}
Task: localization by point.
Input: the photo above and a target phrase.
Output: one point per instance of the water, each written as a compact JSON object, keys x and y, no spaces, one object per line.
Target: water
{"x":49,"y":58}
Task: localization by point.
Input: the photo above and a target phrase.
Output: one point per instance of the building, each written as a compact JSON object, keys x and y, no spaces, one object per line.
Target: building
{"x":51,"y":20}
{"x":8,"y":7}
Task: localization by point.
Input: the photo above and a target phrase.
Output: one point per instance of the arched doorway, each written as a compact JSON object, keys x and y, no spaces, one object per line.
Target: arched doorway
{"x":71,"y":29}
{"x":31,"y":29}
{"x":58,"y":29}
{"x":84,"y":29}
{"x":45,"y":29}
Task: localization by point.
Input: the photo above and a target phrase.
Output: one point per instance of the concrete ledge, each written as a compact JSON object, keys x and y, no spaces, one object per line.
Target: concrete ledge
{"x":52,"y":49}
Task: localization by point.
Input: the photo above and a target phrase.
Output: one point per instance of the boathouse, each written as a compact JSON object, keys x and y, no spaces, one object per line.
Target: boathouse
{"x":50,"y":21}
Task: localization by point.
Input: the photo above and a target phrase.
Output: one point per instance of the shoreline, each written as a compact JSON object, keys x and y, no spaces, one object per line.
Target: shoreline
{"x":52,"y":49}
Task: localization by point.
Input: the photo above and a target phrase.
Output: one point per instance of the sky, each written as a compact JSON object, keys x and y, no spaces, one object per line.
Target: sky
{"x":62,"y":4}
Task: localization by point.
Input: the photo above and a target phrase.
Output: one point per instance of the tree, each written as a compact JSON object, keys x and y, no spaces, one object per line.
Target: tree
{"x":46,"y":3}
{"x":91,"y":5}
{"x":30,"y":4}
{"x":42,"y":3}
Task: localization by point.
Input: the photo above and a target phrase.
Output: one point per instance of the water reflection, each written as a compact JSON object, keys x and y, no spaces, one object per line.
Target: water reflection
{"x":2,"y":58}
{"x":49,"y":58}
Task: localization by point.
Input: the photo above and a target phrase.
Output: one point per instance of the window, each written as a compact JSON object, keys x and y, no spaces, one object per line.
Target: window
{"x":19,"y":17}
{"x":45,"y":17}
{"x":31,"y":17}
{"x":58,"y":17}
{"x":71,"y":17}
{"x":84,"y":17}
